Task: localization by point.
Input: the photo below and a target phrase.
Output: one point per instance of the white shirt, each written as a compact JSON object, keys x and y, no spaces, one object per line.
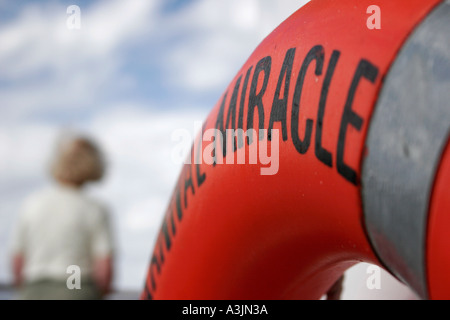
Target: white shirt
{"x":59,"y":227}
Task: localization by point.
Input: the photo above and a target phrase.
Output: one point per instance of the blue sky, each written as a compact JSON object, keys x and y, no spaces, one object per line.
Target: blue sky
{"x":158,"y":54}
{"x":135,"y":72}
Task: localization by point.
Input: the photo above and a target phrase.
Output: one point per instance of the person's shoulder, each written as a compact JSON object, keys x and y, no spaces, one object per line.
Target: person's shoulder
{"x":37,"y":196}
{"x":96,"y":205}
{"x":35,"y":199}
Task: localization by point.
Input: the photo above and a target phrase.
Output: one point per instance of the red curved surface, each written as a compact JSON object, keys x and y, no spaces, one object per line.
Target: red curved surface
{"x":230,"y":232}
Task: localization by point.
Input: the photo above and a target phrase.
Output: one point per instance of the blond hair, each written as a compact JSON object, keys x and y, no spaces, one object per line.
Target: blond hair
{"x":78,"y":160}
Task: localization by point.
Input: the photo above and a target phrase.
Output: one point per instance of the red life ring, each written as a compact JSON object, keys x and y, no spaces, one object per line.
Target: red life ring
{"x":344,"y":187}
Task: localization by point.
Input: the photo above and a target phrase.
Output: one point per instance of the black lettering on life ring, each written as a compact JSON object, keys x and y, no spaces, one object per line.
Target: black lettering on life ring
{"x":278,"y":113}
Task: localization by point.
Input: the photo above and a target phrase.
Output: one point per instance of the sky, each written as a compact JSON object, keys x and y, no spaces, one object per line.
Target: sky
{"x":132,"y":74}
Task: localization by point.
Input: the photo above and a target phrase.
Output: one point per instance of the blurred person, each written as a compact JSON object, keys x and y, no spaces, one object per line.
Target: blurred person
{"x":60,"y":227}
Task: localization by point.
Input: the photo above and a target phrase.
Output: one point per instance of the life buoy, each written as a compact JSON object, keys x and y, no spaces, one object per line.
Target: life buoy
{"x":356,"y":121}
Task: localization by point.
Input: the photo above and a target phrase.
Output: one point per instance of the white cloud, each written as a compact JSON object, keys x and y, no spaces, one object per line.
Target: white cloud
{"x":24,"y":150}
{"x":40,"y":39}
{"x":112,"y":24}
{"x":49,"y":67}
{"x":222,"y":35}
